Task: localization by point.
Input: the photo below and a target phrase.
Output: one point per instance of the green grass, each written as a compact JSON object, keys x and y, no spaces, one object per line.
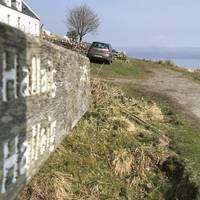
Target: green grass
{"x":185,"y":140}
{"x":137,"y":69}
{"x":121,"y":69}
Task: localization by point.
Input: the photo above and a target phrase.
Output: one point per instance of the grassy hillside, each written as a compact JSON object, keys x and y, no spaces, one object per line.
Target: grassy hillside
{"x":128,"y":146}
{"x":134,"y":68}
{"x":185,"y":138}
{"x":129,"y":69}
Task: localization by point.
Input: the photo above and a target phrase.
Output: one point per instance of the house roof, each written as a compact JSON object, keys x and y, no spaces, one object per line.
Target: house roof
{"x":25,"y":10}
{"x":28,"y":11}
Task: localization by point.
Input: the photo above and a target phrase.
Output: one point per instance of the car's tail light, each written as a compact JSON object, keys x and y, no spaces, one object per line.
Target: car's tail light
{"x":106,"y":50}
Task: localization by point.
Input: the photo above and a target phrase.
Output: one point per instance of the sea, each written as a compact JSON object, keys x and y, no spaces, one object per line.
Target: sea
{"x":188,"y":57}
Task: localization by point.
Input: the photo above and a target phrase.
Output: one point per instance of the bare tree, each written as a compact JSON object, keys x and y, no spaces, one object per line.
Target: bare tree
{"x":82,"y":20}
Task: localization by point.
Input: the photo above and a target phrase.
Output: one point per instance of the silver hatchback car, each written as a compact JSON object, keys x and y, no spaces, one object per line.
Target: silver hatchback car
{"x":100,"y":51}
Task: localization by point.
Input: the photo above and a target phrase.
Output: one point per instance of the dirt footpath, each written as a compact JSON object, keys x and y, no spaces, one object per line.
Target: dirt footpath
{"x":176,"y":86}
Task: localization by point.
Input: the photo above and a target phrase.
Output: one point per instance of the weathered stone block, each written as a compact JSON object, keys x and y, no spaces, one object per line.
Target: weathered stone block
{"x":44,"y":92}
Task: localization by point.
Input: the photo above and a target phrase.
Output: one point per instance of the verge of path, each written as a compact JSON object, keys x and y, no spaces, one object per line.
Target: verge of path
{"x":174,"y":85}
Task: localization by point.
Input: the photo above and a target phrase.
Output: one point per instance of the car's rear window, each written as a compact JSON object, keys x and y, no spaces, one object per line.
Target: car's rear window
{"x":100,"y":45}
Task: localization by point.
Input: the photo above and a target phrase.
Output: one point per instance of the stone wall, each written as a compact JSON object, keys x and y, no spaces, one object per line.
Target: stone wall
{"x":81,"y":48}
{"x":44,"y":92}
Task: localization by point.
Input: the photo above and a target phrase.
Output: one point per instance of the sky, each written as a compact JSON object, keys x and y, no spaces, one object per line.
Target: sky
{"x":130,"y":23}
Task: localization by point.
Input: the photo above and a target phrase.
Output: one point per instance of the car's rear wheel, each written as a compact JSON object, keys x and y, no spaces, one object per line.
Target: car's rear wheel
{"x":108,"y":62}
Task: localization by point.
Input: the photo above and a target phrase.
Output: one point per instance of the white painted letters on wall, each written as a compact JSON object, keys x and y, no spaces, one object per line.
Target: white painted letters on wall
{"x":38,"y":87}
{"x":84,"y":73}
{"x":25,"y":160}
{"x":25,"y":85}
{"x":52,"y":137}
{"x":26,"y":154}
{"x":35,"y":81}
{"x":44,"y":81}
{"x":9,"y":75}
{"x":35,"y":76}
{"x":10,"y":161}
{"x":53,"y":85}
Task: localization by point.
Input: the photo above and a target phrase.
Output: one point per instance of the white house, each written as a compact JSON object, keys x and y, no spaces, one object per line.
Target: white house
{"x":18,"y":14}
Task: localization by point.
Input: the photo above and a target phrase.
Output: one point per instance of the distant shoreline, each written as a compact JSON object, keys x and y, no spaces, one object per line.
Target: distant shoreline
{"x":192,"y":64}
{"x":169,"y":62}
{"x":184,"y":57}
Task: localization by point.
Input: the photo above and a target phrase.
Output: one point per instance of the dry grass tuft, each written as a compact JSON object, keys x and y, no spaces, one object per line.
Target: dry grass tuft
{"x":143,"y":166}
{"x":153,"y":112}
{"x":122,"y":162}
{"x":125,"y":123}
{"x":137,"y":165}
{"x":49,"y":187}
